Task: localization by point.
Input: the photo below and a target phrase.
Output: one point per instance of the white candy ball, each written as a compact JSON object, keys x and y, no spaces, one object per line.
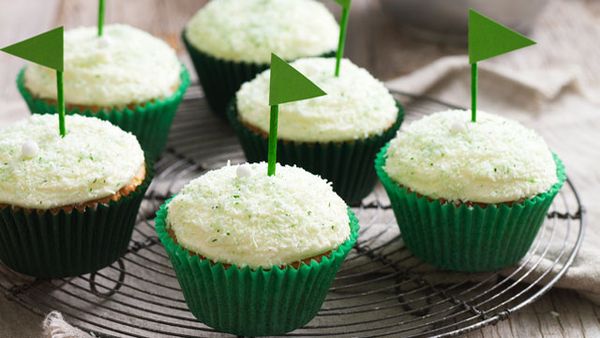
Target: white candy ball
{"x":29,"y":149}
{"x":458,"y":127}
{"x":103,"y":41}
{"x":243,"y":171}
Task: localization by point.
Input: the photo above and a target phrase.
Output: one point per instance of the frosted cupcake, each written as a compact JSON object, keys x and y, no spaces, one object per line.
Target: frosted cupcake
{"x":469,"y":196}
{"x":67,"y":205}
{"x":127,"y":77}
{"x":255,"y":254}
{"x":335,"y":136}
{"x":231,"y":41}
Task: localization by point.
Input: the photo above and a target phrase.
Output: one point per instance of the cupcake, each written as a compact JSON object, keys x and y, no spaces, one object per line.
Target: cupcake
{"x":469,"y":196}
{"x":68,"y":205}
{"x":127,"y":77}
{"x":255,"y":254}
{"x":230,"y":41}
{"x":335,"y":136}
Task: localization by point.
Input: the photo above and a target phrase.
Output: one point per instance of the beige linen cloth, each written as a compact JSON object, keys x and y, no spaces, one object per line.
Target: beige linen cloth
{"x":550,"y":87}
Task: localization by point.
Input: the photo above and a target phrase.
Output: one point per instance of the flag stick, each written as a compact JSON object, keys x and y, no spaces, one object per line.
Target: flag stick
{"x":474,"y":92}
{"x":61,"y":103}
{"x":342,"y":42}
{"x":100,"y":17}
{"x":273,"y":123}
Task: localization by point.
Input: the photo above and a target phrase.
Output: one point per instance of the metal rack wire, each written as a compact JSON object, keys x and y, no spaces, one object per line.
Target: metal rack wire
{"x":381,"y":290}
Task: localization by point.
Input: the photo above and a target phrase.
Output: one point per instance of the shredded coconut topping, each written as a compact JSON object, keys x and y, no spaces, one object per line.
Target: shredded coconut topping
{"x":124,"y":66}
{"x":258,"y":220}
{"x":250,"y":30}
{"x":493,"y":160}
{"x":41,"y":170}
{"x":356,"y":106}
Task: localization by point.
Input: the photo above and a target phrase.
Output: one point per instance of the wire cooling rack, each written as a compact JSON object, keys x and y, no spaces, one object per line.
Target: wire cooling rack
{"x":381,"y":290}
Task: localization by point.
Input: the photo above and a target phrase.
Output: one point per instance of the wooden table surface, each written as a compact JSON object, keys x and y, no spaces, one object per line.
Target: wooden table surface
{"x":560,"y":313}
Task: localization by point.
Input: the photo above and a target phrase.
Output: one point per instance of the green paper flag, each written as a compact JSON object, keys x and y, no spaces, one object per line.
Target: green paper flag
{"x":45,"y":49}
{"x":488,"y":38}
{"x":286,"y":85}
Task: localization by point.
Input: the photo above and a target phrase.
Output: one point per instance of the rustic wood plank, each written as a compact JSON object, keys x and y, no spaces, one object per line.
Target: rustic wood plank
{"x":493,"y":331}
{"x":547,"y":317}
{"x":504,"y":328}
{"x":178,"y":14}
{"x":524,"y":324}
{"x":474,"y":334}
{"x":565,"y":304}
{"x":15,"y":321}
{"x":589,"y":321}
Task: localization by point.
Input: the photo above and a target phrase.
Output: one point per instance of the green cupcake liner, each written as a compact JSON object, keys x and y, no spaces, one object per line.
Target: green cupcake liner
{"x":347,"y":165}
{"x":221,"y":79}
{"x":250,"y":302}
{"x":462,"y":237}
{"x":46,"y":244}
{"x":150,"y":122}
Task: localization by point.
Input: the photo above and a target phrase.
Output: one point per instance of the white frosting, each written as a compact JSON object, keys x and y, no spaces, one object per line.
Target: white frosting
{"x":356,"y":105}
{"x":258,"y":220}
{"x":250,"y":30}
{"x":125,"y":66}
{"x":94,"y":160}
{"x":494,"y":160}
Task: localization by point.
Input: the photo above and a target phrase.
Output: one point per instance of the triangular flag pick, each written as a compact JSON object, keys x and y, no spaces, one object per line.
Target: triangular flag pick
{"x":488,"y":38}
{"x":46,"y":49}
{"x":344,"y":3}
{"x":287,"y":84}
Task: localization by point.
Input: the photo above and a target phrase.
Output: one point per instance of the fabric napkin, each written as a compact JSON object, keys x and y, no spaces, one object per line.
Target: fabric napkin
{"x":55,"y":326}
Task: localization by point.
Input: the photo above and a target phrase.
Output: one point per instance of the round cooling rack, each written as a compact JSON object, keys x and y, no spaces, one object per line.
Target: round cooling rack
{"x":381,"y":290}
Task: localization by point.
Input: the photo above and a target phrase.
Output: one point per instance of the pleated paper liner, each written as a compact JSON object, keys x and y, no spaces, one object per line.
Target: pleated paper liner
{"x":250,"y":302}
{"x":467,"y":238}
{"x":150,"y":122}
{"x":221,"y":79}
{"x":47,"y":244}
{"x":348,"y":165}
